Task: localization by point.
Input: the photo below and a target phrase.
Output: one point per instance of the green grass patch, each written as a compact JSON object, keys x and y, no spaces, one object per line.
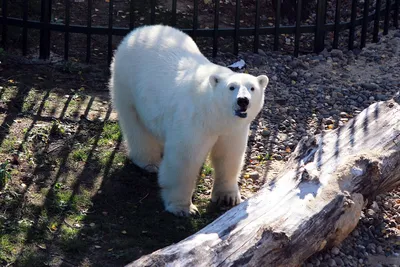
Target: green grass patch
{"x":65,"y":200}
{"x":62,"y":200}
{"x":118,"y":159}
{"x":9,"y":145}
{"x":81,"y":201}
{"x":57,"y":128}
{"x":31,"y":256}
{"x":111,"y":133}
{"x":9,"y":92}
{"x":69,"y":239}
{"x":7,"y":248}
{"x":262,"y":158}
{"x":5,"y":174}
{"x":31,"y":102}
{"x":77,"y":217}
{"x":12,"y":238}
{"x":207,"y":169}
{"x":81,"y":153}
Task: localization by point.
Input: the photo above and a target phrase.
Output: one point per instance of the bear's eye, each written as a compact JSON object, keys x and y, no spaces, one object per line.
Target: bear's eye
{"x":252,"y":89}
{"x":232,"y":88}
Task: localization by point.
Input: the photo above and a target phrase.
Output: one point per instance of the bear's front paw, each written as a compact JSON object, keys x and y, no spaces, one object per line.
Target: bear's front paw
{"x":182,"y":210}
{"x":229,"y":198}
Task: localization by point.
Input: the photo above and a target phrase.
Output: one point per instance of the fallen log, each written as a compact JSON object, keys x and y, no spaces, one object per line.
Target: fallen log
{"x":314,"y":203}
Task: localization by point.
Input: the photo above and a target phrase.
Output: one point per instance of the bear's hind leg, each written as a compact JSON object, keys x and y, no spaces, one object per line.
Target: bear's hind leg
{"x":143,"y":148}
{"x":227,"y":158}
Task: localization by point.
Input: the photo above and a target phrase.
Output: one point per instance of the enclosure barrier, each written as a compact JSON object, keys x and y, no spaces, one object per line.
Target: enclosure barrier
{"x":320,"y":29}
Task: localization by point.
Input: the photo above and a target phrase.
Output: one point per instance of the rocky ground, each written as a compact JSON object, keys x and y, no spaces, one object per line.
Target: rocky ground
{"x":305,"y":95}
{"x":324,"y":91}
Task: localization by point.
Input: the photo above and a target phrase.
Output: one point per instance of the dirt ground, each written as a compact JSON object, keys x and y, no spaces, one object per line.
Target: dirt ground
{"x":73,"y":198}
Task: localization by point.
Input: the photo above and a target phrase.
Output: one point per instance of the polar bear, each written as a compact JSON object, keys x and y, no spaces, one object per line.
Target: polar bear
{"x":175,"y":106}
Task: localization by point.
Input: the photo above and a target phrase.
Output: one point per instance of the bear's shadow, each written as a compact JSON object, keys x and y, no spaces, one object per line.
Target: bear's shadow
{"x":130,"y":217}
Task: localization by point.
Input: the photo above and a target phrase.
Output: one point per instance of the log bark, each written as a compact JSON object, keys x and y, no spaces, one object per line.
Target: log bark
{"x":314,"y":203}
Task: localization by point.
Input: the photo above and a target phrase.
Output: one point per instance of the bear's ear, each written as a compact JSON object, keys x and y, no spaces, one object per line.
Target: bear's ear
{"x":263,"y":81}
{"x":214,"y":80}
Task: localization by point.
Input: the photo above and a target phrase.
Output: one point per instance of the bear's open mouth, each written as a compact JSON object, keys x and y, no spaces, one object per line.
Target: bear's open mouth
{"x":240,"y":113}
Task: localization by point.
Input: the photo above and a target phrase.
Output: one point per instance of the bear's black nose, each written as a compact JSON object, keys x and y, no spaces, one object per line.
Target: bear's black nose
{"x":243,"y":102}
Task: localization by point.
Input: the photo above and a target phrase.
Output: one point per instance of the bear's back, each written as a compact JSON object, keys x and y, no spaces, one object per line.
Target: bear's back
{"x":161,"y":72}
{"x":162,"y":43}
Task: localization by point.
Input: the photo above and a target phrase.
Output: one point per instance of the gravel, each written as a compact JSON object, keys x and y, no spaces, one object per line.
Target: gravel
{"x":323,"y":91}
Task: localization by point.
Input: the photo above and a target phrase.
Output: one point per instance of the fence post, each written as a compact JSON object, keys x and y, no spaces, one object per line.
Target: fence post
{"x":216,"y":26}
{"x":4,"y":27}
{"x":237,"y":22}
{"x":173,"y":23}
{"x":195,"y":19}
{"x":396,"y":14}
{"x":364,"y":24}
{"x":257,"y":27}
{"x":89,"y":27}
{"x":45,"y":16}
{"x":297,"y":32}
{"x":353,"y":17}
{"x":376,"y":22}
{"x":320,"y":28}
{"x":387,"y":14}
{"x":109,"y":34}
{"x":337,"y":24}
{"x":277,"y":24}
{"x":25,"y":27}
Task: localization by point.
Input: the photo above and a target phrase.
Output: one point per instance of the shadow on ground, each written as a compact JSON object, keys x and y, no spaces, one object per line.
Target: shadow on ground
{"x":73,"y":198}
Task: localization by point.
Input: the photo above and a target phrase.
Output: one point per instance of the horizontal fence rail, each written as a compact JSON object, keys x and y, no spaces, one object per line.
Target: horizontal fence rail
{"x":319,"y":30}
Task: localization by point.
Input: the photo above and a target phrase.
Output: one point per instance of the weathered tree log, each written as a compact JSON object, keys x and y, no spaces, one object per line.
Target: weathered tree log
{"x":314,"y":203}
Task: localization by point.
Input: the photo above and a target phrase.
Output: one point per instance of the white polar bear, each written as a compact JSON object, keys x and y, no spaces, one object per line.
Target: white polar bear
{"x":175,"y":106}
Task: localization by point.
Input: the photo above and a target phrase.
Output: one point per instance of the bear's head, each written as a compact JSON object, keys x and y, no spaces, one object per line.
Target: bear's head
{"x":242,"y":94}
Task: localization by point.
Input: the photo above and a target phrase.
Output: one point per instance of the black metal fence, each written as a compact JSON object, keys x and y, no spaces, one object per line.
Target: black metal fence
{"x":386,"y":12}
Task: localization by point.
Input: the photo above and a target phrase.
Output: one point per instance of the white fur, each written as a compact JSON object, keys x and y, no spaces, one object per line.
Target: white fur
{"x":172,"y":101}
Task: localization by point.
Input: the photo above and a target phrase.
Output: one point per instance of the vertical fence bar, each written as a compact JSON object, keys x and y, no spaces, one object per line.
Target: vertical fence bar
{"x":297,"y":33}
{"x":131,"y":14}
{"x":216,"y":25}
{"x":66,"y":36}
{"x":352,"y":23}
{"x":320,"y":27}
{"x":387,"y":13}
{"x":365,"y":24}
{"x":89,"y":33}
{"x":195,"y":18}
{"x":4,"y":28}
{"x":25,"y":27}
{"x":110,"y":25}
{"x":257,"y":27}
{"x":396,"y":14}
{"x":237,"y":24}
{"x":277,"y":24}
{"x":45,"y":16}
{"x":173,"y":23}
{"x":376,"y":22}
{"x":152,"y":11}
{"x":337,"y":23}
